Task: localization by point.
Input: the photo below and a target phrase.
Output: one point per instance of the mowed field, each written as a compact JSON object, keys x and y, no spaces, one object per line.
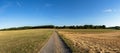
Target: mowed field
{"x":23,"y":41}
{"x":92,"y":40}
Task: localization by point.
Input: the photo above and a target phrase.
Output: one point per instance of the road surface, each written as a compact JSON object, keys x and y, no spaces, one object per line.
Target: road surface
{"x":55,"y":45}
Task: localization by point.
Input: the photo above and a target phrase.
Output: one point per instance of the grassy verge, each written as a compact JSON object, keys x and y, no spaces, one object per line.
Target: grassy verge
{"x":23,"y":41}
{"x":69,"y":44}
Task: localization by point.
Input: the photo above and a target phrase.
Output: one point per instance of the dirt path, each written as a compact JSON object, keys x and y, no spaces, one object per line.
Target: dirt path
{"x":55,"y":45}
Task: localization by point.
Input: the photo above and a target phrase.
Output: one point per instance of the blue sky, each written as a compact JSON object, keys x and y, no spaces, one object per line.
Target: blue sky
{"x":15,"y":13}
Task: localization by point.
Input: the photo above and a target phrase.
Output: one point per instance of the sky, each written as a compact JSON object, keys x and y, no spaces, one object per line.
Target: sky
{"x":14,"y":13}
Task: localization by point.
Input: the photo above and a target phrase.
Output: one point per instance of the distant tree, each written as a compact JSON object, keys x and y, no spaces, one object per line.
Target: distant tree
{"x":117,"y":27}
{"x":103,"y":26}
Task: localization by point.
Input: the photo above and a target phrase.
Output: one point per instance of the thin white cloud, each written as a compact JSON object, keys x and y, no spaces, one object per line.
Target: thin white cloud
{"x":108,"y":10}
{"x":4,"y":7}
{"x":48,"y":5}
{"x":19,"y":4}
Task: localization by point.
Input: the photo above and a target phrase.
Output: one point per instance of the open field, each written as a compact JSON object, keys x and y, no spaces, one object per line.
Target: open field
{"x":23,"y":41}
{"x":92,"y":40}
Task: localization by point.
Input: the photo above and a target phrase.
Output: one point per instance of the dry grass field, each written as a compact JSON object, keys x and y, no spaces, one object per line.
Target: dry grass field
{"x":92,"y":40}
{"x":23,"y":41}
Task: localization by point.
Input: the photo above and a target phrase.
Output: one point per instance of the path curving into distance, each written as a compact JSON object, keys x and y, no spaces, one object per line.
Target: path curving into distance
{"x":55,"y":45}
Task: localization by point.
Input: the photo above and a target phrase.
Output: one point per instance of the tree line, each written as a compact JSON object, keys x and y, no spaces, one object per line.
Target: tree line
{"x":82,"y":27}
{"x":59,"y":27}
{"x":115,"y":27}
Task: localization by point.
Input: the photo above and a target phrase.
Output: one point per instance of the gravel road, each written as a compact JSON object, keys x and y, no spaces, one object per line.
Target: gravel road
{"x":55,"y":45}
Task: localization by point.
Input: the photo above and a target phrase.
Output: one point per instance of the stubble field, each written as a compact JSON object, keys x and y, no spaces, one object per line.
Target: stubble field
{"x":92,"y":40}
